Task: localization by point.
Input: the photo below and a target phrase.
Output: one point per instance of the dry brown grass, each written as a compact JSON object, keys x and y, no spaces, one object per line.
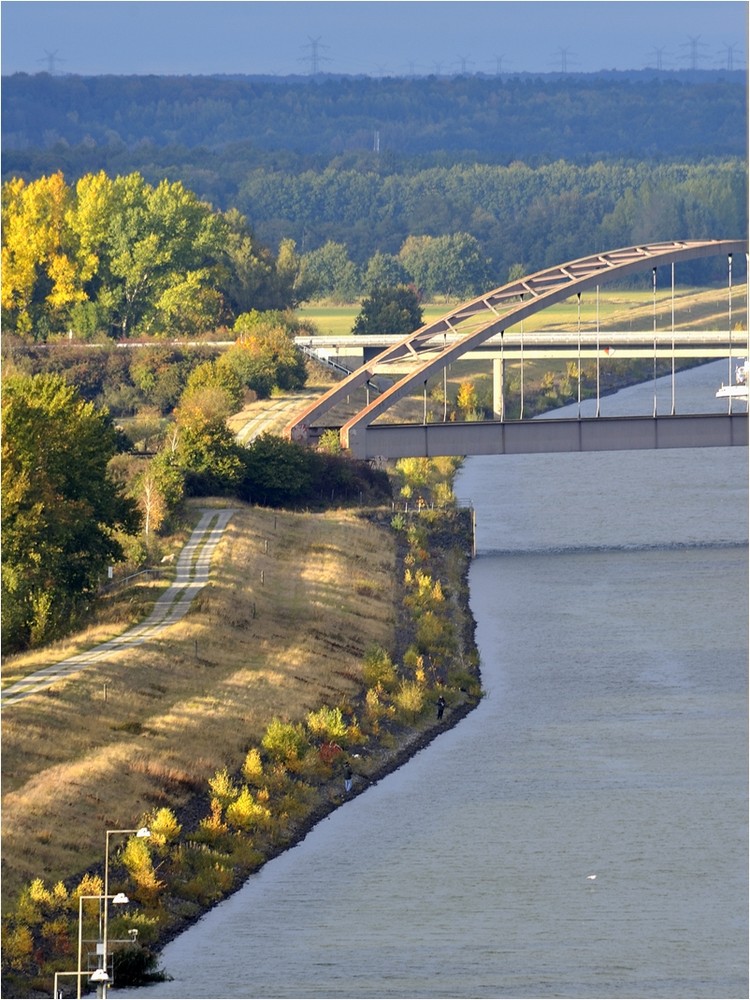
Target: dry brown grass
{"x":294,"y":601}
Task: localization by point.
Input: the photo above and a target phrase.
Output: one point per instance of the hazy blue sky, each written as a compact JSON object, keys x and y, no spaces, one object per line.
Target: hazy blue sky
{"x":389,"y":37}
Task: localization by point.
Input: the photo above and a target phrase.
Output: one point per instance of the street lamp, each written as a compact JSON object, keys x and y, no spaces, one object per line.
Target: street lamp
{"x":141,"y":832}
{"x":99,"y":976}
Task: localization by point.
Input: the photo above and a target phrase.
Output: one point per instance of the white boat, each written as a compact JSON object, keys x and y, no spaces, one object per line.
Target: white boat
{"x":740,"y":386}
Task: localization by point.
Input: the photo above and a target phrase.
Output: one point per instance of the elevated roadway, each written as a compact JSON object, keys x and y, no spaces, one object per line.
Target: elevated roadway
{"x":547,"y":345}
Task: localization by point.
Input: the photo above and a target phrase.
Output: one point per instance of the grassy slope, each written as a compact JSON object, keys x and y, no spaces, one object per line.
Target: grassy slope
{"x":293,"y":603}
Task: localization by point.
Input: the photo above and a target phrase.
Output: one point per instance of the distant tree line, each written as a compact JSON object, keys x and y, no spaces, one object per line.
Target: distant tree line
{"x":122,"y":257}
{"x":539,"y":118}
{"x":532,"y":216}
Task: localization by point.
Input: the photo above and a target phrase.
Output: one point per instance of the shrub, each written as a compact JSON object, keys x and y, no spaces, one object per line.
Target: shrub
{"x":137,"y":859}
{"x":378,"y":669}
{"x":245,"y":813}
{"x":164,"y":828}
{"x":285,"y":741}
{"x":223,"y":789}
{"x":252,"y":769}
{"x":18,"y":945}
{"x":134,"y":965}
{"x":208,"y":873}
{"x":377,"y":707}
{"x":90,"y":885}
{"x":410,"y":698}
{"x":330,"y":442}
{"x":327,"y":724}
{"x":212,"y":828}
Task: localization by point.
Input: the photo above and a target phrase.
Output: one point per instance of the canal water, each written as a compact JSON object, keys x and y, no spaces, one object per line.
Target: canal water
{"x":611,"y":599}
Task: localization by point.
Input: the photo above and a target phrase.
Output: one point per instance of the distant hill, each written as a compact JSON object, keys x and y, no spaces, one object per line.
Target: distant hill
{"x":578,"y":117}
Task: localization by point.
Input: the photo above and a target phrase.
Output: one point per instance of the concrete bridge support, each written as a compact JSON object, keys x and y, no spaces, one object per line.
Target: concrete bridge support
{"x":498,"y":389}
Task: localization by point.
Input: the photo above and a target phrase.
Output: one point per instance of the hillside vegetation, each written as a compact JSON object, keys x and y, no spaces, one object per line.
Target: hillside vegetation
{"x":516,"y":171}
{"x":318,"y":640}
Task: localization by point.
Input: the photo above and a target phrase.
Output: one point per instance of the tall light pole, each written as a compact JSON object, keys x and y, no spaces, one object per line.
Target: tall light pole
{"x":100,"y":975}
{"x":142,"y":832}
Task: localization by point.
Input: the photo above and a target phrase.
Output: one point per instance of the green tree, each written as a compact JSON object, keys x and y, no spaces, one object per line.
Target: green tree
{"x":389,"y":310}
{"x":384,"y":269}
{"x":218,"y":377}
{"x":277,"y":471}
{"x":206,"y":453}
{"x":416,"y":255}
{"x":160,"y":238}
{"x":265,"y":355}
{"x":250,"y":279}
{"x":61,"y":507}
{"x":451,"y":265}
{"x":329,"y":273}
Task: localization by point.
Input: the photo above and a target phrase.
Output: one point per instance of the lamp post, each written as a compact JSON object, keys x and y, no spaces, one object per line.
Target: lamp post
{"x":141,"y":832}
{"x":100,"y":976}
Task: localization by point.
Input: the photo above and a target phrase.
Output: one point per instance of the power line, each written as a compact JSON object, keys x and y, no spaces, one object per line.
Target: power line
{"x":315,"y":58}
{"x":498,"y":60}
{"x":729,"y":51}
{"x":694,"y":43}
{"x":563,"y":54}
{"x":659,"y":53}
{"x":51,"y":58}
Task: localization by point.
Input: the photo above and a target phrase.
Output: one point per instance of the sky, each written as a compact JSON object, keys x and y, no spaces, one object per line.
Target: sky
{"x":382,"y":38}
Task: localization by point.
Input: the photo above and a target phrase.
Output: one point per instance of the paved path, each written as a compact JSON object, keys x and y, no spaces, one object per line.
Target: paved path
{"x":191,"y":575}
{"x":270,"y":415}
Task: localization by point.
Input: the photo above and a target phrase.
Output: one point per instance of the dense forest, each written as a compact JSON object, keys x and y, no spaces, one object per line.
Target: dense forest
{"x":343,"y":175}
{"x":310,"y":120}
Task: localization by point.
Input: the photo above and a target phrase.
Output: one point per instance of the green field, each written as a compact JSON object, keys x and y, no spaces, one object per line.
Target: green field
{"x":630,"y":308}
{"x":339,"y":320}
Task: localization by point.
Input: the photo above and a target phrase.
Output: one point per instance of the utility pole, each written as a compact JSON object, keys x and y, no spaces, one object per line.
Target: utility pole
{"x":563,"y":53}
{"x":659,"y":54}
{"x":315,"y":57}
{"x":729,"y":51}
{"x":51,"y":58}
{"x":694,"y":43}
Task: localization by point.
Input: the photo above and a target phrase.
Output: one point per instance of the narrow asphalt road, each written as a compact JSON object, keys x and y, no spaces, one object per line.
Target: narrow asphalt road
{"x":191,"y":575}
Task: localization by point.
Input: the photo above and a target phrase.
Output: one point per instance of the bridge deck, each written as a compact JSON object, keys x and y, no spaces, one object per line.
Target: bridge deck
{"x":517,"y":437}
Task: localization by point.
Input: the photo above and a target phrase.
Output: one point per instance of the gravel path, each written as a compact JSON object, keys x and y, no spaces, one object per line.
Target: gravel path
{"x":191,"y":575}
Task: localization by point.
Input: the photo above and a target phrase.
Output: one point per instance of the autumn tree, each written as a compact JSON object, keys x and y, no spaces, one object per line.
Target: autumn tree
{"x":467,"y":399}
{"x":265,"y":355}
{"x":122,"y":256}
{"x":40,"y":276}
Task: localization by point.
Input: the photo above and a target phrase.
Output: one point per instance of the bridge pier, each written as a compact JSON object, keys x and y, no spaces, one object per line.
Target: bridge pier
{"x":498,"y":388}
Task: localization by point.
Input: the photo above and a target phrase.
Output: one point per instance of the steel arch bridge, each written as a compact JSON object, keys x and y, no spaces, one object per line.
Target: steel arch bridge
{"x":426,"y":351}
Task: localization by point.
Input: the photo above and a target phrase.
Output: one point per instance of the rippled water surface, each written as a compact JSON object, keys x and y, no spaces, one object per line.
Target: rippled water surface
{"x":611,"y":599}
